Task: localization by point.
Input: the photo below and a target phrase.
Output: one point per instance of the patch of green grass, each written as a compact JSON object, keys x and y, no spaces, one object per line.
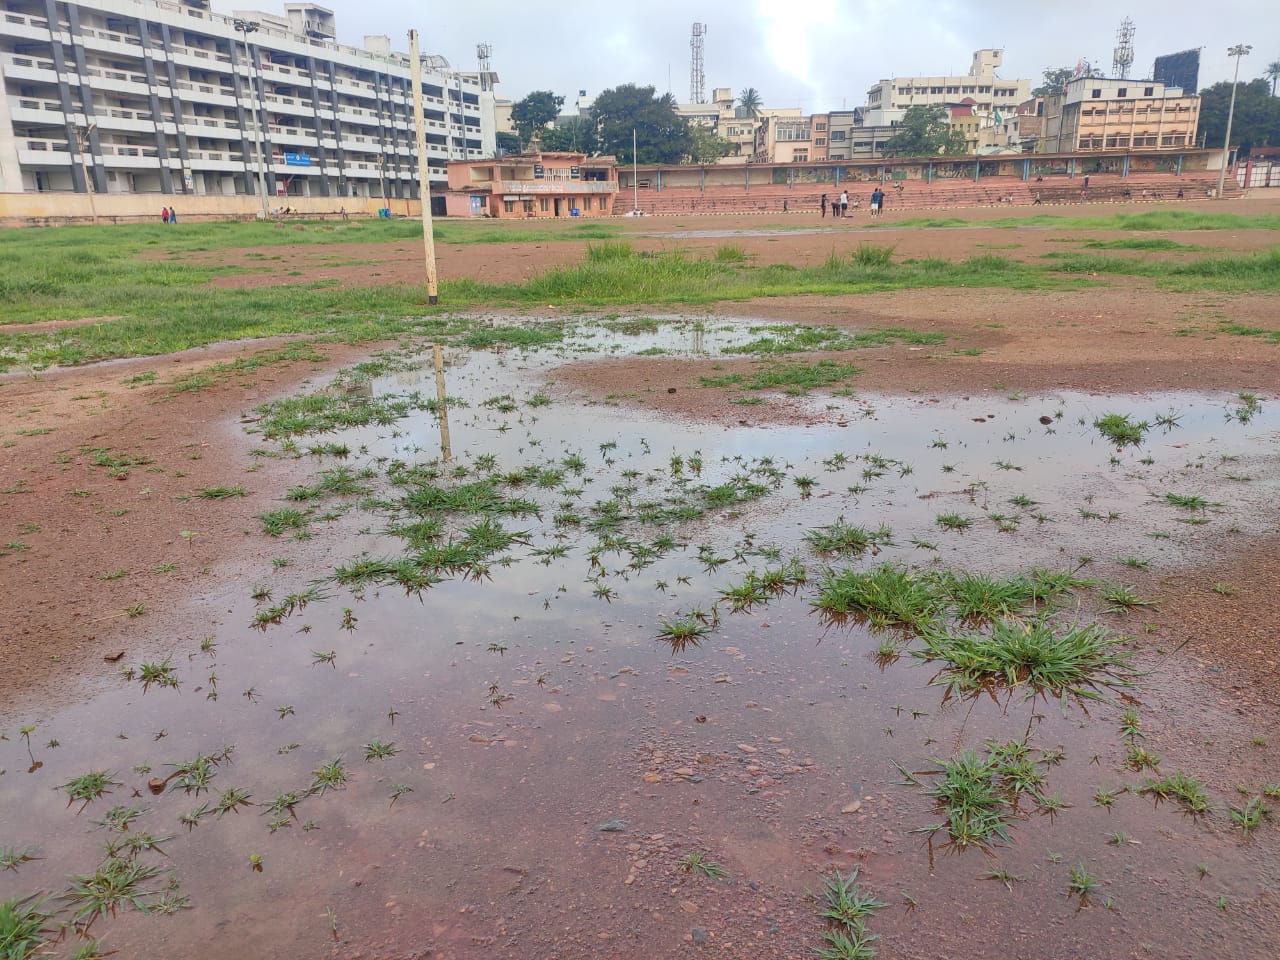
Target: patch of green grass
{"x":1121,"y":430}
{"x":89,"y":787}
{"x":843,"y":539}
{"x":1188,"y":792}
{"x":1079,"y":661}
{"x":886,"y":595}
{"x":25,"y":928}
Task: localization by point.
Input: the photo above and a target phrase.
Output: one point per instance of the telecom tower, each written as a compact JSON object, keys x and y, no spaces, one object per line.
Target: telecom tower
{"x":484,"y":53}
{"x":697,"y":72}
{"x":1122,"y":60}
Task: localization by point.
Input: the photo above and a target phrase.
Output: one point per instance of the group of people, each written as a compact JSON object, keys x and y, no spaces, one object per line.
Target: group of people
{"x":168,"y":215}
{"x":840,"y":205}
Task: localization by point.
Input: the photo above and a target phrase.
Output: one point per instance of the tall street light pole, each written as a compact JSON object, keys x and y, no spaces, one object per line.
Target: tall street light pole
{"x":1238,"y":51}
{"x":244,"y":28}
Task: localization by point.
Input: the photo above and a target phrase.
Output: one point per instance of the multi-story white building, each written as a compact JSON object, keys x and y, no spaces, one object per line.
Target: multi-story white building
{"x":888,"y":100}
{"x":159,"y":97}
{"x":1102,"y":113}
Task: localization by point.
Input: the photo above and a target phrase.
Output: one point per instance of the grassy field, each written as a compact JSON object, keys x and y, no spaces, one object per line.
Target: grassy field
{"x":160,"y":304}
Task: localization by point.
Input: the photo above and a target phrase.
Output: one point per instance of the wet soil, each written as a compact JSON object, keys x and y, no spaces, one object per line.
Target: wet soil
{"x":751,"y":748}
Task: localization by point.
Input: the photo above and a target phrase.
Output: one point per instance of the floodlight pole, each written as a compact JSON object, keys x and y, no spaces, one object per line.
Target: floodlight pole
{"x":1238,"y":51}
{"x":244,"y":28}
{"x":424,"y":184}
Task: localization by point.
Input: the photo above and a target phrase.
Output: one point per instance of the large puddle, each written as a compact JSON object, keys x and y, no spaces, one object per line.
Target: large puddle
{"x":525,"y":766}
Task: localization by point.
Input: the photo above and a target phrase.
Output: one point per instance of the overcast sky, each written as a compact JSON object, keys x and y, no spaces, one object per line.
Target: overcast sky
{"x":814,"y":54}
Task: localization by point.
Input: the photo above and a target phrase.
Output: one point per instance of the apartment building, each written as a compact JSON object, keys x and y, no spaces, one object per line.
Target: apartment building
{"x":788,"y":136}
{"x":731,"y":122}
{"x":888,"y":100}
{"x":1097,"y":113}
{"x":537,"y":184}
{"x":168,"y":97}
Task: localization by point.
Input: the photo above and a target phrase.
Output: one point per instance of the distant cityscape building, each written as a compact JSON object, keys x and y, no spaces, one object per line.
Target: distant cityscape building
{"x":980,"y":89}
{"x":127,"y":96}
{"x":1098,"y":113}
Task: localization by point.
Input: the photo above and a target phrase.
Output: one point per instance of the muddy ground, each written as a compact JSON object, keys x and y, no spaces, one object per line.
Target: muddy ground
{"x":117,"y":558}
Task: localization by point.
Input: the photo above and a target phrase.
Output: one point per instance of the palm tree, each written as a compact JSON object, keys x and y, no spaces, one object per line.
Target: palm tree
{"x":749,"y":101}
{"x":1273,"y":71}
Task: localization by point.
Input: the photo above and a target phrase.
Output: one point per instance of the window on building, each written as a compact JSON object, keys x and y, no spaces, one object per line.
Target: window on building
{"x":820,"y":141}
{"x":953,"y":89}
{"x":544,"y":204}
{"x":1097,"y":94}
{"x":968,"y":90}
{"x":1122,"y":92}
{"x":509,"y":206}
{"x":837,"y":136}
{"x":527,"y":206}
{"x":586,"y":203}
{"x":800,"y":158}
{"x":1148,"y":91}
{"x":820,"y":126}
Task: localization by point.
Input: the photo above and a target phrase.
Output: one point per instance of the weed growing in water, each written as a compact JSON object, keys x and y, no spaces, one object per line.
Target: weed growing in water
{"x":1188,"y":792}
{"x":1250,"y":816}
{"x":329,"y":776}
{"x":885,"y":595}
{"x":24,"y":928}
{"x":88,"y":787}
{"x":1121,"y":430}
{"x":682,"y":631}
{"x":13,"y":857}
{"x":1075,"y":660}
{"x":1082,"y":883}
{"x":847,"y":908}
{"x":376,"y":749}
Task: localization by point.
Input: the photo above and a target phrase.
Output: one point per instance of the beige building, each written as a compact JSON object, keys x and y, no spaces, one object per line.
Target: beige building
{"x":986,"y":93}
{"x":1096,"y":113}
{"x":729,"y":121}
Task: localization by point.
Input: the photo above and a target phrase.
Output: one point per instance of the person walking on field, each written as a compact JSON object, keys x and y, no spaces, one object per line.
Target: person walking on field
{"x":844,"y":203}
{"x":173,"y":215}
{"x":164,"y":215}
{"x":823,"y":204}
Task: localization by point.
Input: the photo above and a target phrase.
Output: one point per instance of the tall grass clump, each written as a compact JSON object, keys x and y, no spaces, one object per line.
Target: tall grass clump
{"x":886,"y":595}
{"x":609,"y":252}
{"x":872,"y":255}
{"x":1075,"y":661}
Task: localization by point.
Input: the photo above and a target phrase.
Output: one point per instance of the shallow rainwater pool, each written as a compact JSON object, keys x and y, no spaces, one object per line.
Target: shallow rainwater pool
{"x":508,"y":757}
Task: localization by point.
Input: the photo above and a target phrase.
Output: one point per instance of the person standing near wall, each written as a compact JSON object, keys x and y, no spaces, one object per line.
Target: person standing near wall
{"x":844,"y":203}
{"x":823,"y":205}
{"x":164,"y":215}
{"x":173,"y":215}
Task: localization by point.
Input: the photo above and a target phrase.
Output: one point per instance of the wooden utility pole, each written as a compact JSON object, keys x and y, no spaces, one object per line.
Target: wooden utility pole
{"x":424,"y":184}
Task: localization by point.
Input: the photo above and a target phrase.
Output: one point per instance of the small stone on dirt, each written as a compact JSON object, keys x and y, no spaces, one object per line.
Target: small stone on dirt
{"x":616,"y":825}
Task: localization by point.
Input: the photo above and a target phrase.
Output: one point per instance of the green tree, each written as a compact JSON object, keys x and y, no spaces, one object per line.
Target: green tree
{"x":1272,"y":73}
{"x":569,"y":136}
{"x":750,"y":102}
{"x":507,"y":142}
{"x":1055,"y":82}
{"x":1257,"y":117}
{"x":705,"y":146}
{"x":924,"y":131}
{"x":662,"y":136}
{"x":534,"y":112}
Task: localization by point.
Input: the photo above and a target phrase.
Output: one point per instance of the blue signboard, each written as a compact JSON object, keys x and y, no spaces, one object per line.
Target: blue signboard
{"x":297,"y":160}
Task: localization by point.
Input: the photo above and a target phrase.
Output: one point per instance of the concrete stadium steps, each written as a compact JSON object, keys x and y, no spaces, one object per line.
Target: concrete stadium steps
{"x":918,"y":195}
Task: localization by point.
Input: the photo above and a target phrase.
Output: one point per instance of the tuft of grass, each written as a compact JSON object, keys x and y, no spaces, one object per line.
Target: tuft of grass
{"x":1249,"y":816}
{"x":683,"y":630}
{"x":886,"y":595}
{"x":1121,"y":430}
{"x":698,"y":862}
{"x":1079,"y":661}
{"x":25,"y":928}
{"x":1188,"y":792}
{"x":89,"y":787}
